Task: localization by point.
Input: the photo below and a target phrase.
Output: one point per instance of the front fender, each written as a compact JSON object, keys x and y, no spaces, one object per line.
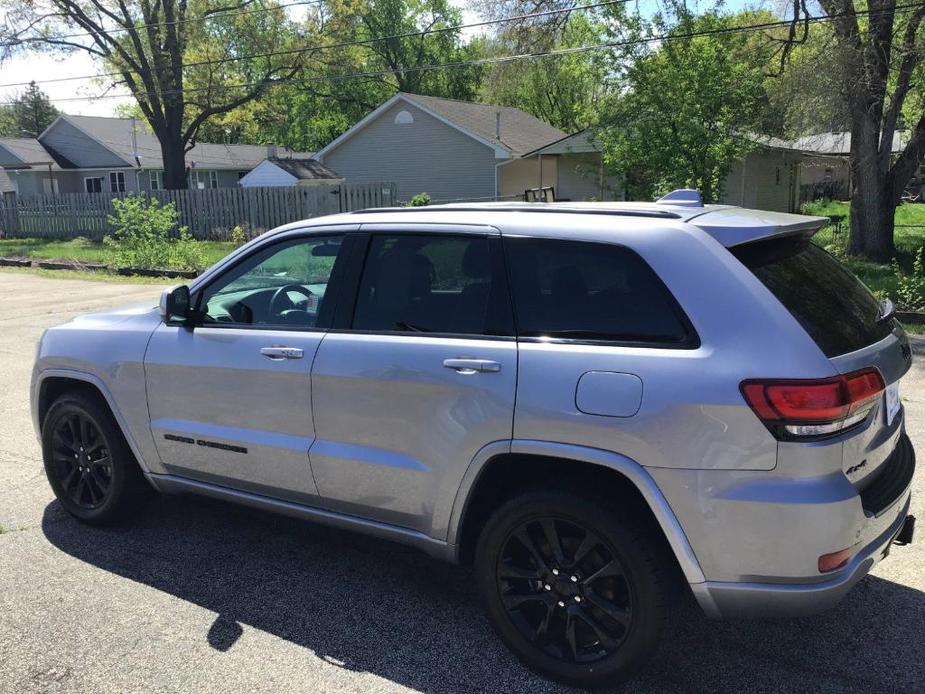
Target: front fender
{"x":141,"y":446}
{"x":627,"y":467}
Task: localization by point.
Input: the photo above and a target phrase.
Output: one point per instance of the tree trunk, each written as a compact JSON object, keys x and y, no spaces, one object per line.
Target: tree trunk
{"x":872,"y":201}
{"x":174,"y":155}
{"x":872,"y":210}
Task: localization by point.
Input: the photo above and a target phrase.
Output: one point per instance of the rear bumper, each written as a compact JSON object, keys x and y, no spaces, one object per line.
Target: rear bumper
{"x":724,"y":600}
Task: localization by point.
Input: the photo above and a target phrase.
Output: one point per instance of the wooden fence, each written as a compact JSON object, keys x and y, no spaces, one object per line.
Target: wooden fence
{"x":207,"y":213}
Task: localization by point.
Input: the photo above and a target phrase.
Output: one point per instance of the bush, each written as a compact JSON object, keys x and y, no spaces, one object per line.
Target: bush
{"x":144,"y":237}
{"x":910,"y":289}
{"x":419,"y":200}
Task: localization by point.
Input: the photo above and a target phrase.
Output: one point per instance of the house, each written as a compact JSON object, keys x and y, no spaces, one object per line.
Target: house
{"x":572,"y":166}
{"x":452,"y":150}
{"x":91,"y":154}
{"x":285,"y":171}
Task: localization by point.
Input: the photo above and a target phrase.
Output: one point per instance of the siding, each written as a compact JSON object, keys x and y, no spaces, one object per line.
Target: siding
{"x":523,"y":174}
{"x":268,"y":174}
{"x":79,"y":148}
{"x":766,"y":183}
{"x":426,"y":156}
{"x":579,"y":179}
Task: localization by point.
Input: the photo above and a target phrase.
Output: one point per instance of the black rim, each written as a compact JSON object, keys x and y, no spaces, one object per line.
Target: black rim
{"x":564,"y":590}
{"x":81,"y":460}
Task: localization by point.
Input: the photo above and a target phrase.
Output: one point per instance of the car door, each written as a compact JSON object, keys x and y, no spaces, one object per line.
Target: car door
{"x":230,"y":398}
{"x":419,"y":375}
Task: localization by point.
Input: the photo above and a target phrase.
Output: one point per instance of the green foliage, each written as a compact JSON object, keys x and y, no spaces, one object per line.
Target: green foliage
{"x":683,"y":113}
{"x":30,"y":113}
{"x":560,"y":90}
{"x":238,"y":237}
{"x":910,"y":287}
{"x":144,"y":236}
{"x":419,"y":200}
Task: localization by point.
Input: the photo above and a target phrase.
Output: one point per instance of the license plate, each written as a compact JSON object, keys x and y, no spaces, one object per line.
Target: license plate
{"x":892,"y":402}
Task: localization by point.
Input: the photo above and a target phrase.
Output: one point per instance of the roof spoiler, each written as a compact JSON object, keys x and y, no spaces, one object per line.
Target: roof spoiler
{"x":682,"y":197}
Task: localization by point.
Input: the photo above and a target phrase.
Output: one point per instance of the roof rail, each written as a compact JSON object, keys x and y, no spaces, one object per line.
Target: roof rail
{"x":553,"y":208}
{"x":682,"y":197}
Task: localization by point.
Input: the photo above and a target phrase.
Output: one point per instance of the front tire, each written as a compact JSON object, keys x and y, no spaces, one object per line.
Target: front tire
{"x":578,"y":593}
{"x":88,"y":463}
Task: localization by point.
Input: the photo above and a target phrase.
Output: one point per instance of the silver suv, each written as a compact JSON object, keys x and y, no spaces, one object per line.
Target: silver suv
{"x":590,"y":403}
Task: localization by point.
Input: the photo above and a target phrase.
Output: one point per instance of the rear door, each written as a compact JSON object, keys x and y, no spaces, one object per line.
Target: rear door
{"x":418,"y":376}
{"x":230,"y":399}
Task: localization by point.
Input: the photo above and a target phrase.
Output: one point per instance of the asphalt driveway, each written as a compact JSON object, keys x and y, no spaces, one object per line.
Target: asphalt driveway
{"x":198,"y":596}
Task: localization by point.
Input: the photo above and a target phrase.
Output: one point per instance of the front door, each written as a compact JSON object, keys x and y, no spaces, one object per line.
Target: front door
{"x":419,"y":377}
{"x":230,"y":399}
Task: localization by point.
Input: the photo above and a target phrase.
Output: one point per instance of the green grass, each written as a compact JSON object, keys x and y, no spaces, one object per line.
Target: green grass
{"x":86,"y":251}
{"x":879,"y":277}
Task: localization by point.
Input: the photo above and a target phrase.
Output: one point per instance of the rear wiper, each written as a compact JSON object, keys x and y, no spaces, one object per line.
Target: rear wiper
{"x":887,"y":311}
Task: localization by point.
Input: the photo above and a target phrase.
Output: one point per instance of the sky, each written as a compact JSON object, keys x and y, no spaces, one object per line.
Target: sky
{"x":39,"y":67}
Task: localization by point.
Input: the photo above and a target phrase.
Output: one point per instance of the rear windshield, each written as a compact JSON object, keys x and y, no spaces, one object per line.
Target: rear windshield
{"x":831,"y":304}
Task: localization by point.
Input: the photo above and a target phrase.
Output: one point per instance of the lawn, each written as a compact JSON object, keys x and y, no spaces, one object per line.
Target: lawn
{"x":86,"y":251}
{"x":909,"y":237}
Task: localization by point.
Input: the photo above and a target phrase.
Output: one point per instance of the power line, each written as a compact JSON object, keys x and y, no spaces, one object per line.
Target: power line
{"x":749,"y":28}
{"x":345,"y":44}
{"x":188,"y":20}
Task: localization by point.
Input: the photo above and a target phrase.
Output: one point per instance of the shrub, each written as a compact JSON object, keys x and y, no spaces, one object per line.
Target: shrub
{"x":144,"y":237}
{"x":238,"y":237}
{"x":910,"y":288}
{"x":419,"y":200}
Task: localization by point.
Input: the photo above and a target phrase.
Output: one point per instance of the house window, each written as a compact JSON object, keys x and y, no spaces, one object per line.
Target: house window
{"x":93,"y":184}
{"x":157,"y":180}
{"x":204,"y":179}
{"x":116,"y":182}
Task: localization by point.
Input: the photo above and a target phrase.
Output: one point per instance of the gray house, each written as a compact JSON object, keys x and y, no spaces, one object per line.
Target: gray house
{"x":89,"y":154}
{"x":452,"y":150}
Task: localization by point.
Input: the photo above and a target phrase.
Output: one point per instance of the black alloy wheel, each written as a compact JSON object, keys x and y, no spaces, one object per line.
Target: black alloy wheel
{"x":81,"y":460}
{"x":578,"y":586}
{"x":564,"y":590}
{"x":88,"y":462}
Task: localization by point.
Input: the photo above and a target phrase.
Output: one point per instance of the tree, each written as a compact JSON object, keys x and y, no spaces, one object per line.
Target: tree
{"x":560,"y":90}
{"x":883,"y":62}
{"x":682,"y":113}
{"x":371,"y":49}
{"x":30,"y":113}
{"x":179,"y":59}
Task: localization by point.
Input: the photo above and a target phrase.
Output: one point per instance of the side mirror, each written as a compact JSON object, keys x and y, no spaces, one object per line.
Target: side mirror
{"x":175,"y":304}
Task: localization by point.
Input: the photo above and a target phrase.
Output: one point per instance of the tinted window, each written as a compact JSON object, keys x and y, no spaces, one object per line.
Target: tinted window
{"x":284,"y":285}
{"x":831,"y":304}
{"x":429,"y":284}
{"x":575,"y":289}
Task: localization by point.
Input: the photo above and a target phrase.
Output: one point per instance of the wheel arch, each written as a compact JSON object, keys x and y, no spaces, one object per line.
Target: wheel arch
{"x":53,"y":383}
{"x":489,"y":480}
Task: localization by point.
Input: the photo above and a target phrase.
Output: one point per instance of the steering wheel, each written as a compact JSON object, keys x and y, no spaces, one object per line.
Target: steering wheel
{"x":282,"y":294}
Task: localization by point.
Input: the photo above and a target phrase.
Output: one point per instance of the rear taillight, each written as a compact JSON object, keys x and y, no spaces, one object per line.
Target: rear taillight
{"x":819,"y":407}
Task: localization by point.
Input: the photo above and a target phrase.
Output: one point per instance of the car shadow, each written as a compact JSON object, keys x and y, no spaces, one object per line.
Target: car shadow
{"x":372,"y":606}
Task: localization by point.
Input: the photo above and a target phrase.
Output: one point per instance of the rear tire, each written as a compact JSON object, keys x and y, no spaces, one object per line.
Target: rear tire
{"x":89,"y":465}
{"x":578,"y":593}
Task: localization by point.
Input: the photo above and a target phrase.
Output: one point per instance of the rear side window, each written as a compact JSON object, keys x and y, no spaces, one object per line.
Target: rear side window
{"x":590,"y":291}
{"x":831,"y":304}
{"x":427,"y":283}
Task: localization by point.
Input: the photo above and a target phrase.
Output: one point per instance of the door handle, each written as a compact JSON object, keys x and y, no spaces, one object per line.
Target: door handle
{"x":471,"y":366}
{"x":281,"y":352}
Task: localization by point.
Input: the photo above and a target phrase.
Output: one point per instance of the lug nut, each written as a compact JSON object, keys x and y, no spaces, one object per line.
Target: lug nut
{"x":577,"y":598}
{"x":555,"y":572}
{"x":547,"y":587}
{"x":574,"y":579}
{"x":561,"y":604}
